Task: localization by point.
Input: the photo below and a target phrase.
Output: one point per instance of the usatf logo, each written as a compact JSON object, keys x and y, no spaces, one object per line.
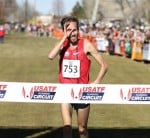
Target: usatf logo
{"x":2,"y":91}
{"x":136,"y":94}
{"x":40,"y":92}
{"x":89,"y":93}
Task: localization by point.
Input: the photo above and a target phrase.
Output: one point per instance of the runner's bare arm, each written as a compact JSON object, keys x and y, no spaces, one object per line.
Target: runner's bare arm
{"x":56,"y":50}
{"x":89,"y":48}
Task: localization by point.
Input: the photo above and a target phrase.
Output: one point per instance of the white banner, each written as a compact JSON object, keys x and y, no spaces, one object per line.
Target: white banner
{"x":74,"y":93}
{"x":101,"y":44}
{"x":146,"y":51}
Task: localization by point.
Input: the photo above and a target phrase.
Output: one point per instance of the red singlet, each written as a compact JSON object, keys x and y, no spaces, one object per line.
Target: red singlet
{"x":74,"y":65}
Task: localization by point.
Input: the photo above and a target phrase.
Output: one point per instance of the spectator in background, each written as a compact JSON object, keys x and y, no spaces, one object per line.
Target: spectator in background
{"x":2,"y":34}
{"x":147,"y":37}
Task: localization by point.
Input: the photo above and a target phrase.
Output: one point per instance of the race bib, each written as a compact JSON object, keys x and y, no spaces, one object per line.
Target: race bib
{"x":71,"y":68}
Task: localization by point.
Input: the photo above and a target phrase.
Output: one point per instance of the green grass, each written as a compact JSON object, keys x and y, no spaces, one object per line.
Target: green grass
{"x":23,"y":58}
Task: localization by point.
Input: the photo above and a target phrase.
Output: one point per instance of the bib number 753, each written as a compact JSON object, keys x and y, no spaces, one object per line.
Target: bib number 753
{"x":71,"y":68}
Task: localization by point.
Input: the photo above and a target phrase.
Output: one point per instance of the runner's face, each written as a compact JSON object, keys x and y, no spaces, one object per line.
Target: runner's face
{"x":72,"y":32}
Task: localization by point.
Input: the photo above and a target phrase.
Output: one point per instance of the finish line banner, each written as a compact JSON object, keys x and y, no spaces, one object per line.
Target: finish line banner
{"x":74,"y":93}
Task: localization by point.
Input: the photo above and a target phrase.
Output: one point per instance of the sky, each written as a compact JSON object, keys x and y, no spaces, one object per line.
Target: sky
{"x":45,"y":6}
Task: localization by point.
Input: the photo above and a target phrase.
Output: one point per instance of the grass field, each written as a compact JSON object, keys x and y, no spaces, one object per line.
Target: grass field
{"x":23,"y":58}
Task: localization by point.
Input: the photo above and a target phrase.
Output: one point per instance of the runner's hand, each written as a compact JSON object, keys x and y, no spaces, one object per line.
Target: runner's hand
{"x":67,"y":32}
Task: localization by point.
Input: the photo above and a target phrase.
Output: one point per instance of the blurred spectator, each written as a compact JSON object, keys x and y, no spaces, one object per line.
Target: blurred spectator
{"x":2,"y":34}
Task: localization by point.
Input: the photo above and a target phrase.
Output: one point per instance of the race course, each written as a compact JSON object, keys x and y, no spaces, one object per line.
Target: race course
{"x":24,"y":58}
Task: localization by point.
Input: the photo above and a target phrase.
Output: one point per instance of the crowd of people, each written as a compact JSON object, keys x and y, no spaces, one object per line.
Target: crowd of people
{"x":127,"y":42}
{"x":2,"y":34}
{"x":132,"y":42}
{"x":107,"y":37}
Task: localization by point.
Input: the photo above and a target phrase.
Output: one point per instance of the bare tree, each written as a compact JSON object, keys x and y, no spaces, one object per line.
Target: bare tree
{"x":128,"y":3}
{"x":1,"y":10}
{"x":121,"y":4}
{"x":127,"y":10}
{"x":26,"y":11}
{"x":141,"y":10}
{"x":58,"y":7}
{"x":88,"y":6}
{"x":7,"y":8}
{"x":146,"y":9}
